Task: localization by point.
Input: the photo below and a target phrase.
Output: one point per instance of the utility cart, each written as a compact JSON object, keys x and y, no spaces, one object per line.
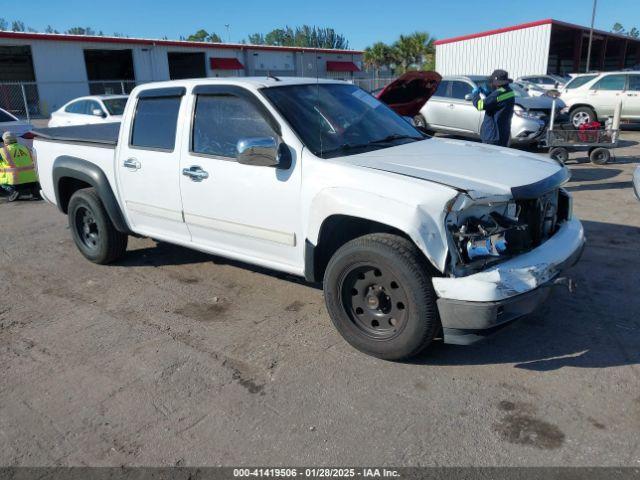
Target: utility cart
{"x":561,"y":140}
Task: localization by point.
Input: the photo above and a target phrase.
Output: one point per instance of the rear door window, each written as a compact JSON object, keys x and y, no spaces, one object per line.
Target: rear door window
{"x":77,"y":107}
{"x":579,"y":81}
{"x":611,"y":82}
{"x":634,"y":83}
{"x":92,"y":105}
{"x":220,"y":121}
{"x":442,"y":89}
{"x":155,"y":123}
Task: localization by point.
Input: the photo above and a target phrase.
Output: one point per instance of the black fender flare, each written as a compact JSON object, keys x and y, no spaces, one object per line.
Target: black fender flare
{"x":72,"y":167}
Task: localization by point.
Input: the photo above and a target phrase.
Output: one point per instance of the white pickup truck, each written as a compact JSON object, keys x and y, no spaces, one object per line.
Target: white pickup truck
{"x":413,"y":237}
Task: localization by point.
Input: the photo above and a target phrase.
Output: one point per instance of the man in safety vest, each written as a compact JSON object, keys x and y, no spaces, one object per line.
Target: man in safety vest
{"x":17,"y":173}
{"x":498,"y":107}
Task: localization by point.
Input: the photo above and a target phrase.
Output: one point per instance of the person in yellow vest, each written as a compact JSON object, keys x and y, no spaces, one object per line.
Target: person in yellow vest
{"x":17,"y":173}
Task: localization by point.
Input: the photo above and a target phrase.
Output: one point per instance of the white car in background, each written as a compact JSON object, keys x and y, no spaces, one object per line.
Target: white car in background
{"x":531,"y":89}
{"x":90,"y":110}
{"x":547,"y":82}
{"x":22,"y":130}
{"x":594,"y":97}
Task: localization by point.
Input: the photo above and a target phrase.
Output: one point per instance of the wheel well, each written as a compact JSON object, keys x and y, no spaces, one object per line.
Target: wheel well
{"x":578,"y":105}
{"x":335,"y":232}
{"x":67,"y":186}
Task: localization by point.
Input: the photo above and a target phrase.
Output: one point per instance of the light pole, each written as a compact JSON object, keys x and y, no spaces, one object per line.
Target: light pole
{"x":593,"y":17}
{"x":228,"y":27}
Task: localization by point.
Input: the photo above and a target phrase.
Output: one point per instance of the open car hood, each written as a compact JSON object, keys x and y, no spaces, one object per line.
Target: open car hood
{"x":407,"y":94}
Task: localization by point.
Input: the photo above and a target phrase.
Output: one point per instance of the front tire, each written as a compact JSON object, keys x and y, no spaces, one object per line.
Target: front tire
{"x":92,"y":229}
{"x":380,"y":297}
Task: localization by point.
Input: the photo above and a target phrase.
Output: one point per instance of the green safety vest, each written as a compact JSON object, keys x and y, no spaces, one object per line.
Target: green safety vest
{"x":16,"y":165}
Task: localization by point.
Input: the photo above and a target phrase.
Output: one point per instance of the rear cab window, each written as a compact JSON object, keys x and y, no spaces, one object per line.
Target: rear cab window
{"x":155,"y":121}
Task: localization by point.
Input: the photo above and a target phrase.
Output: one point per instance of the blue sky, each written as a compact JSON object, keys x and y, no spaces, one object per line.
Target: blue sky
{"x":362,"y":22}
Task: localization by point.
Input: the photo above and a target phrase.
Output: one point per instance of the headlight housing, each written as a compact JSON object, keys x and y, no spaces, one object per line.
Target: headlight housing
{"x":521,"y":112}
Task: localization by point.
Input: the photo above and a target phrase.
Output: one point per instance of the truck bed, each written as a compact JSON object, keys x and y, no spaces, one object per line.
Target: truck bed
{"x":102,"y":133}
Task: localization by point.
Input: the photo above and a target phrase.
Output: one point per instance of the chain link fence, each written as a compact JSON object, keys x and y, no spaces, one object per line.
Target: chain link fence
{"x":36,"y":100}
{"x":33,"y":100}
{"x":373,"y":84}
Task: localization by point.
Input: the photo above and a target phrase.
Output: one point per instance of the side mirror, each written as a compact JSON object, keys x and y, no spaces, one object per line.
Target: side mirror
{"x":468,"y":97}
{"x":98,"y":112}
{"x":258,"y":151}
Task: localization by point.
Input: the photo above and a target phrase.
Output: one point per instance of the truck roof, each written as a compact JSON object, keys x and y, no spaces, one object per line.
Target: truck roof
{"x":255,"y":82}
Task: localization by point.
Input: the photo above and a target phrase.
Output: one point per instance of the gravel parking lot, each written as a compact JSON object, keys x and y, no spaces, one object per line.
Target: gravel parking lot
{"x":173,"y":357}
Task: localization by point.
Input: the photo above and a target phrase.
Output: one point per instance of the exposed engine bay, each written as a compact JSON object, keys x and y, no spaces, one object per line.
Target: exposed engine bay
{"x":484,"y":233}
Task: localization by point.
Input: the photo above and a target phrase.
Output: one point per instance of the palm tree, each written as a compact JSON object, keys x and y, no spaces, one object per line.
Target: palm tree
{"x":412,"y":50}
{"x":378,"y":55}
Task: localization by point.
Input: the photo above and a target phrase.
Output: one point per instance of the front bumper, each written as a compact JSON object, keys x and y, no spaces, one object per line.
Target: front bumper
{"x":477,"y":305}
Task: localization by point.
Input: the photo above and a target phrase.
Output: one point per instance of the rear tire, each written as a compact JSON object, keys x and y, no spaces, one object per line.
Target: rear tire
{"x":380,"y":297}
{"x":421,"y":124}
{"x":92,"y":229}
{"x":582,"y":115}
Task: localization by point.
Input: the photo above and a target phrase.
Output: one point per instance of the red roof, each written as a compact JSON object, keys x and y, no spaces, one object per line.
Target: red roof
{"x":225,"y":64}
{"x":342,"y":67}
{"x":171,"y":43}
{"x":547,"y":21}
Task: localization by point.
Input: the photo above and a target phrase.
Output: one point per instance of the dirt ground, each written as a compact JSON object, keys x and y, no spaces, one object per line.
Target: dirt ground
{"x":173,"y":357}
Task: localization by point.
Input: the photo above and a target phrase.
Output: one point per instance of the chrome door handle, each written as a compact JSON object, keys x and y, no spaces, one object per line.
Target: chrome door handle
{"x":195,"y":173}
{"x":451,"y":105}
{"x":132,"y":164}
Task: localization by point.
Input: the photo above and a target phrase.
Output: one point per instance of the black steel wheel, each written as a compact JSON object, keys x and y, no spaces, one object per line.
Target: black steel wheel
{"x":92,"y":229}
{"x":87,"y":228}
{"x":380,"y":297}
{"x":374,"y":300}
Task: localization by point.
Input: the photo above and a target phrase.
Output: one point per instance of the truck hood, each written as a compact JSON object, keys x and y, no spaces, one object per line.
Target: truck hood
{"x":480,"y":170}
{"x":408,"y":93}
{"x":543,"y":102}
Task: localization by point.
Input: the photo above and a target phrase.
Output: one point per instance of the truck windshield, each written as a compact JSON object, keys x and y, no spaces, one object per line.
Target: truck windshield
{"x":340,"y":119}
{"x":115,"y":105}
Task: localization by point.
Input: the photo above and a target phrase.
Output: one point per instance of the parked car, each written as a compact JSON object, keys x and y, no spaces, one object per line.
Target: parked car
{"x":22,"y":130}
{"x":546,"y":82}
{"x":448,"y":108}
{"x":531,"y":89}
{"x":88,"y":110}
{"x":636,"y":182}
{"x":412,"y":236}
{"x":593,"y":97}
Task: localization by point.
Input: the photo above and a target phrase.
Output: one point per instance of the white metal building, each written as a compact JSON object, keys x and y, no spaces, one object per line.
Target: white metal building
{"x":45,"y":71}
{"x":544,"y":46}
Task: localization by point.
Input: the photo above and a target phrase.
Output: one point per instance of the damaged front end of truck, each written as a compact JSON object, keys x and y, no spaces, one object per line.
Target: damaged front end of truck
{"x":505,"y":251}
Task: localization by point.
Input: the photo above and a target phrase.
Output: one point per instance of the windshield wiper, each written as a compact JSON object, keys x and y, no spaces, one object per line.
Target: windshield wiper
{"x":356,"y":146}
{"x":392,"y":137}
